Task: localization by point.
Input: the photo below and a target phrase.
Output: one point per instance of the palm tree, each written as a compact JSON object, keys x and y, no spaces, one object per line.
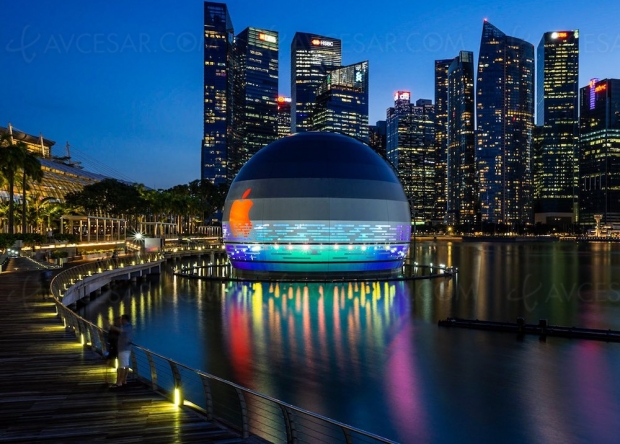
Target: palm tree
{"x":31,"y":168}
{"x":11,"y":159}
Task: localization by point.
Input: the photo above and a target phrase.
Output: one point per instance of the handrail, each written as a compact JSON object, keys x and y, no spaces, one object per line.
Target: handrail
{"x":411,"y":271}
{"x":239,"y":408}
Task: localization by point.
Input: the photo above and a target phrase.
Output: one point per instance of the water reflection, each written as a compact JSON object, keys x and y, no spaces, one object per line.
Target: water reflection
{"x":371,"y":354}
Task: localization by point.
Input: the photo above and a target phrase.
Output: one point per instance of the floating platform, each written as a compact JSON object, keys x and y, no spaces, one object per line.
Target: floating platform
{"x":540,"y":329}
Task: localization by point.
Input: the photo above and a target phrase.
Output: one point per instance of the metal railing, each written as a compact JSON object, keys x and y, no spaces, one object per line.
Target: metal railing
{"x":225,"y":272}
{"x":248,"y":412}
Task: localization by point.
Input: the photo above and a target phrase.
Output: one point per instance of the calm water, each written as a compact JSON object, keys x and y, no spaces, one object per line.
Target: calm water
{"x":372,"y":355}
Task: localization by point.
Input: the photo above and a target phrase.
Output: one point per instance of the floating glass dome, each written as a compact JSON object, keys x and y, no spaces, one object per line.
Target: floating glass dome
{"x":316,"y":203}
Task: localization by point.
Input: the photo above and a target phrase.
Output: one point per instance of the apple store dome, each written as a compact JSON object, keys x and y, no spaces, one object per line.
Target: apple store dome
{"x":313,"y":203}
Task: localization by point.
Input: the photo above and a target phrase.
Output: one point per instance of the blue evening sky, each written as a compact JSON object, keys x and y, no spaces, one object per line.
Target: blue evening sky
{"x":122,"y":80}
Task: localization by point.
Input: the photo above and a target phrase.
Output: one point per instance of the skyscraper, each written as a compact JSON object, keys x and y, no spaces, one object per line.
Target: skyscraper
{"x":312,"y":56}
{"x":342,"y":102}
{"x":255,"y":90}
{"x":411,"y":150}
{"x":556,"y":172}
{"x":599,"y":159}
{"x":377,"y":137}
{"x":217,"y":119}
{"x":284,"y":116}
{"x":441,"y":135}
{"x":462,"y":200}
{"x":505,"y":110}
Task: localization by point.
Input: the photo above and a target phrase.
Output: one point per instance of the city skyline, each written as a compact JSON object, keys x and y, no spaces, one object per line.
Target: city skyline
{"x":126,"y":89}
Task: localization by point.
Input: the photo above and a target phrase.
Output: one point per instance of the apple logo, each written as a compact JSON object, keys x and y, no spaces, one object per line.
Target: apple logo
{"x":239,"y":219}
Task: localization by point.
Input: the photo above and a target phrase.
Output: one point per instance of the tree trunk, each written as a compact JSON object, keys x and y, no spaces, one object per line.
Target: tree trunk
{"x":24,"y":203}
{"x":11,"y":180}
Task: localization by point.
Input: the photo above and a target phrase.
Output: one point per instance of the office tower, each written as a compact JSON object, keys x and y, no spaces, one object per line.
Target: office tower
{"x":441,"y":136}
{"x":599,"y":159}
{"x":342,"y":102}
{"x":218,"y":41}
{"x":462,"y":201}
{"x":377,"y":137}
{"x":312,"y":56}
{"x":556,"y":172}
{"x":505,"y":110}
{"x":284,"y":116}
{"x":255,"y":91}
{"x":411,"y":150}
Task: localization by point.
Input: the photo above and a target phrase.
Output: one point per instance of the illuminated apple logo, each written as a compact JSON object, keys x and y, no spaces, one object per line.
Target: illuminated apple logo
{"x":239,"y":219}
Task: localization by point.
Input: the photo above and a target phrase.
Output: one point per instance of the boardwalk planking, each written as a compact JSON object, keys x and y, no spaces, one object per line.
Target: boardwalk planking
{"x":52,"y":389}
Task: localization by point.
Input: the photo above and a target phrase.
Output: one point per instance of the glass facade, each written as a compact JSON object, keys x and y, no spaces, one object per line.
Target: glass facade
{"x":342,"y":102}
{"x":505,"y":119}
{"x":255,"y":93}
{"x":461,"y":165}
{"x":377,"y":137}
{"x":599,"y":157}
{"x":411,"y":150}
{"x":556,"y":172}
{"x":39,"y":146}
{"x":218,"y":41}
{"x":284,"y":116}
{"x":312,"y":57}
{"x":316,"y":203}
{"x":441,"y":136}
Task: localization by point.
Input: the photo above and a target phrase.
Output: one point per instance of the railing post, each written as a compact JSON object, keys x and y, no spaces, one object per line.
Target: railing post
{"x":347,"y":436}
{"x":134,"y":364}
{"x":289,"y":421}
{"x":245,"y":433}
{"x":177,"y":382}
{"x":153,"y":370}
{"x":102,"y":342}
{"x":206,"y":384}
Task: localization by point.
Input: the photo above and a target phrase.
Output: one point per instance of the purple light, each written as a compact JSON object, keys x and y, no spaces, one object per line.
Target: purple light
{"x":593,"y":83}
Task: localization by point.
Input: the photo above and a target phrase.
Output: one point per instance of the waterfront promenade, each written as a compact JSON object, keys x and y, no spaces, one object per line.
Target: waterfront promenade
{"x":54,"y":390}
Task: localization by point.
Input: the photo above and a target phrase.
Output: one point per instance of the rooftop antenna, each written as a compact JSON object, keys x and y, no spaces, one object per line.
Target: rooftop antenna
{"x":67,"y":148}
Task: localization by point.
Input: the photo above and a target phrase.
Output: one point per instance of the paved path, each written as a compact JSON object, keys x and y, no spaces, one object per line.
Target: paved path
{"x":52,"y":389}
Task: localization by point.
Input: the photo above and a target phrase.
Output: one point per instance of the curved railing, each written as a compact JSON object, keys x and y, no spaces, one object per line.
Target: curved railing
{"x":238,"y":408}
{"x":225,"y":272}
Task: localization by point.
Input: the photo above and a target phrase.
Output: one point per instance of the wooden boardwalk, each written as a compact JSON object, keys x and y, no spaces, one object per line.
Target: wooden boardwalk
{"x":52,"y":389}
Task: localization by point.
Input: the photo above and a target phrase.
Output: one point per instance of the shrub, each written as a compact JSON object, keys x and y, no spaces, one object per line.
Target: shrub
{"x":58,"y":254}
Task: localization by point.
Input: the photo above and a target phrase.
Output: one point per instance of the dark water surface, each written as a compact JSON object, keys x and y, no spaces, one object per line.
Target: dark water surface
{"x":372,"y":356}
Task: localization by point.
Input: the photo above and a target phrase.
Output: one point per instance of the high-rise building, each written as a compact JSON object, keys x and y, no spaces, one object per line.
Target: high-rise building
{"x":284,"y":116}
{"x":556,"y":172}
{"x":462,"y":201}
{"x":599,"y":159}
{"x":255,"y":91}
{"x":342,"y":102}
{"x":505,"y":118}
{"x":441,"y":136}
{"x":411,"y":150}
{"x":377,"y":137}
{"x":217,"y":119}
{"x":312,"y":57}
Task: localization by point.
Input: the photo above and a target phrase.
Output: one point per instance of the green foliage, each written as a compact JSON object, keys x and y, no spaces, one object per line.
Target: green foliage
{"x":66,"y":237}
{"x":6,"y":240}
{"x":12,"y":157}
{"x":108,"y":197}
{"x":31,"y":238}
{"x":58,"y":254}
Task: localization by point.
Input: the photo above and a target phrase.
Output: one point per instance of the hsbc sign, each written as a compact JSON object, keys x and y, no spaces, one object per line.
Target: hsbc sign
{"x":319,"y":42}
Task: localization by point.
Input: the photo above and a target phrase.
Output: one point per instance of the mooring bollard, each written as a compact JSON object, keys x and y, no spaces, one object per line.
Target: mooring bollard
{"x":542,"y":324}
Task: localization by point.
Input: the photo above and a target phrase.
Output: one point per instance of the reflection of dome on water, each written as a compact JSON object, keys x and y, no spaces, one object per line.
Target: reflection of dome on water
{"x":316,"y":203}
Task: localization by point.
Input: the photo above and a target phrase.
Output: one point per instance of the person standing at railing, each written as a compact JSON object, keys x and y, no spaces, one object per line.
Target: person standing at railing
{"x":124,"y":350}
